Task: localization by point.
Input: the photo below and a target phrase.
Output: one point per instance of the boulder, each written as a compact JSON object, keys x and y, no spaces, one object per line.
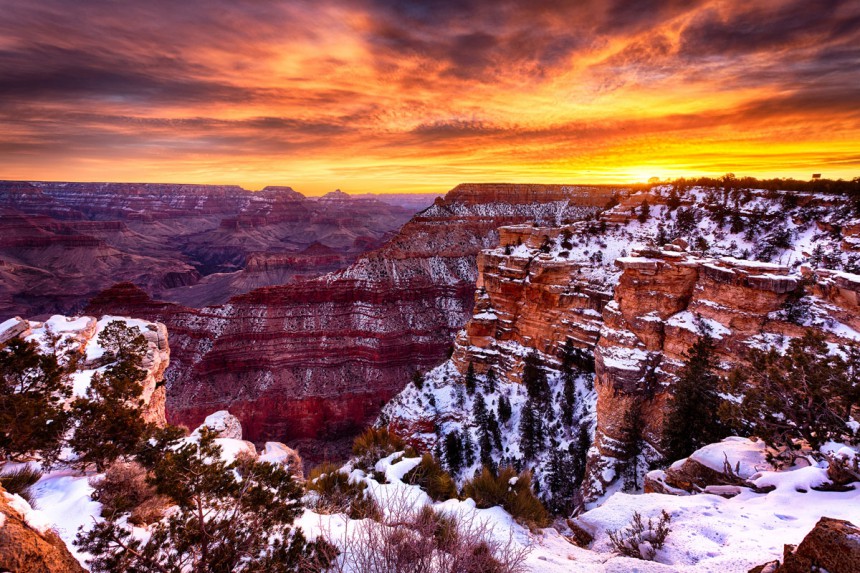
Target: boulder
{"x":223,"y":423}
{"x":278,"y":453}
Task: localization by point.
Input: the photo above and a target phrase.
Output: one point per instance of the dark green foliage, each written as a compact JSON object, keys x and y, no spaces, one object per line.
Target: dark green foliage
{"x":566,"y":236}
{"x":737,"y":224}
{"x":20,"y":480}
{"x":33,"y":388}
{"x":568,"y":376}
{"x":517,"y":498}
{"x":685,"y":221}
{"x":454,"y":451}
{"x":230,"y":517}
{"x":432,"y":478}
{"x":471,"y":380}
{"x":490,"y":382}
{"x":534,"y":379}
{"x":580,"y":452}
{"x":644,"y":211}
{"x":563,"y":489}
{"x":692,"y":420}
{"x":531,"y":430}
{"x":108,"y":421}
{"x":124,"y":489}
{"x":468,"y":449}
{"x":632,"y":445}
{"x":504,"y":408}
{"x":479,"y":411}
{"x":674,"y":200}
{"x":418,"y":380}
{"x":801,"y":395}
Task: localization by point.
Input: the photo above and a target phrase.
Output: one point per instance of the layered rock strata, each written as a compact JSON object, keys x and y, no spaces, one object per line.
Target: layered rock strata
{"x":312,"y":362}
{"x":62,"y":243}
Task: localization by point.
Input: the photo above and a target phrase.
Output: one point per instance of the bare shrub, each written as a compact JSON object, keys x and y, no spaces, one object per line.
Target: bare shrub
{"x":410,"y":539}
{"x":641,"y":539}
{"x":20,"y":480}
{"x":336,"y":493}
{"x":124,"y":489}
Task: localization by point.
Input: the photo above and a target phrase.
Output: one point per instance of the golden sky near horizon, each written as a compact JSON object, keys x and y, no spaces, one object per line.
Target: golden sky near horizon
{"x":394,"y":96}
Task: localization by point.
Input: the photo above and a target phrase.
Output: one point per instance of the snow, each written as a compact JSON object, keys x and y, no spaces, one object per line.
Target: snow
{"x":710,"y":533}
{"x":275,"y":453}
{"x":7,"y":324}
{"x":752,"y":265}
{"x":223,"y":423}
{"x":744,"y":456}
{"x":691,"y":321}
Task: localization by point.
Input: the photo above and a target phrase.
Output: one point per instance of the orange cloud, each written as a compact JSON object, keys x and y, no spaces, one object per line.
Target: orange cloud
{"x":381,"y":95}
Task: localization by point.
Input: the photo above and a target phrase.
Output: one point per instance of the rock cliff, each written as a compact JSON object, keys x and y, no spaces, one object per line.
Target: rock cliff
{"x":634,"y":292}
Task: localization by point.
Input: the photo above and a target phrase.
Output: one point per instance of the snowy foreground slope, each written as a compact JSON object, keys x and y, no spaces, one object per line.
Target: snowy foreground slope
{"x":709,"y":533}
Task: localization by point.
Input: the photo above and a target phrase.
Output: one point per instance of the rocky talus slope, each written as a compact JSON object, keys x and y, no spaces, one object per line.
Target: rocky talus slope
{"x":313,"y":361}
{"x":735,"y":267}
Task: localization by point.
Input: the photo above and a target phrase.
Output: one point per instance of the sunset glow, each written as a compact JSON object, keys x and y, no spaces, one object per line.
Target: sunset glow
{"x":387,"y":96}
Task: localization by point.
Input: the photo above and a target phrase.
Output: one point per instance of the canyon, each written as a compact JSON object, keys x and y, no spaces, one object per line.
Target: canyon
{"x":312,"y":362}
{"x":62,"y":243}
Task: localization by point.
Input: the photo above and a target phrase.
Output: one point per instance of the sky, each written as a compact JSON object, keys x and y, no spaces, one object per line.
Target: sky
{"x":398,"y":96}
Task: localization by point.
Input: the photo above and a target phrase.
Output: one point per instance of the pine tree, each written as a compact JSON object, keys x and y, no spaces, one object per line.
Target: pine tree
{"x":802,"y":394}
{"x":494,"y":430}
{"x":644,"y":211}
{"x":108,"y":421}
{"x":479,"y":411}
{"x":233,"y":517}
{"x":418,"y":379}
{"x":454,"y":452}
{"x":468,"y":449}
{"x":692,"y":420}
{"x":562,"y":489}
{"x":531,"y":430}
{"x":459,"y":397}
{"x":535,"y":380}
{"x":33,"y":388}
{"x":504,"y":409}
{"x":568,"y":376}
{"x":490,"y":382}
{"x":471,"y":379}
{"x":632,"y":445}
{"x":579,"y":452}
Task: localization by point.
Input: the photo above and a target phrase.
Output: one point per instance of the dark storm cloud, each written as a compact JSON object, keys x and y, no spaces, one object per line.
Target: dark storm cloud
{"x":759,"y":26}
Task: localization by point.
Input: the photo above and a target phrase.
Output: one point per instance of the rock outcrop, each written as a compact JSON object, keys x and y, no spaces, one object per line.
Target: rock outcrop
{"x":26,"y":549}
{"x":312,"y":362}
{"x":79,"y":335}
{"x":833,"y":545}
